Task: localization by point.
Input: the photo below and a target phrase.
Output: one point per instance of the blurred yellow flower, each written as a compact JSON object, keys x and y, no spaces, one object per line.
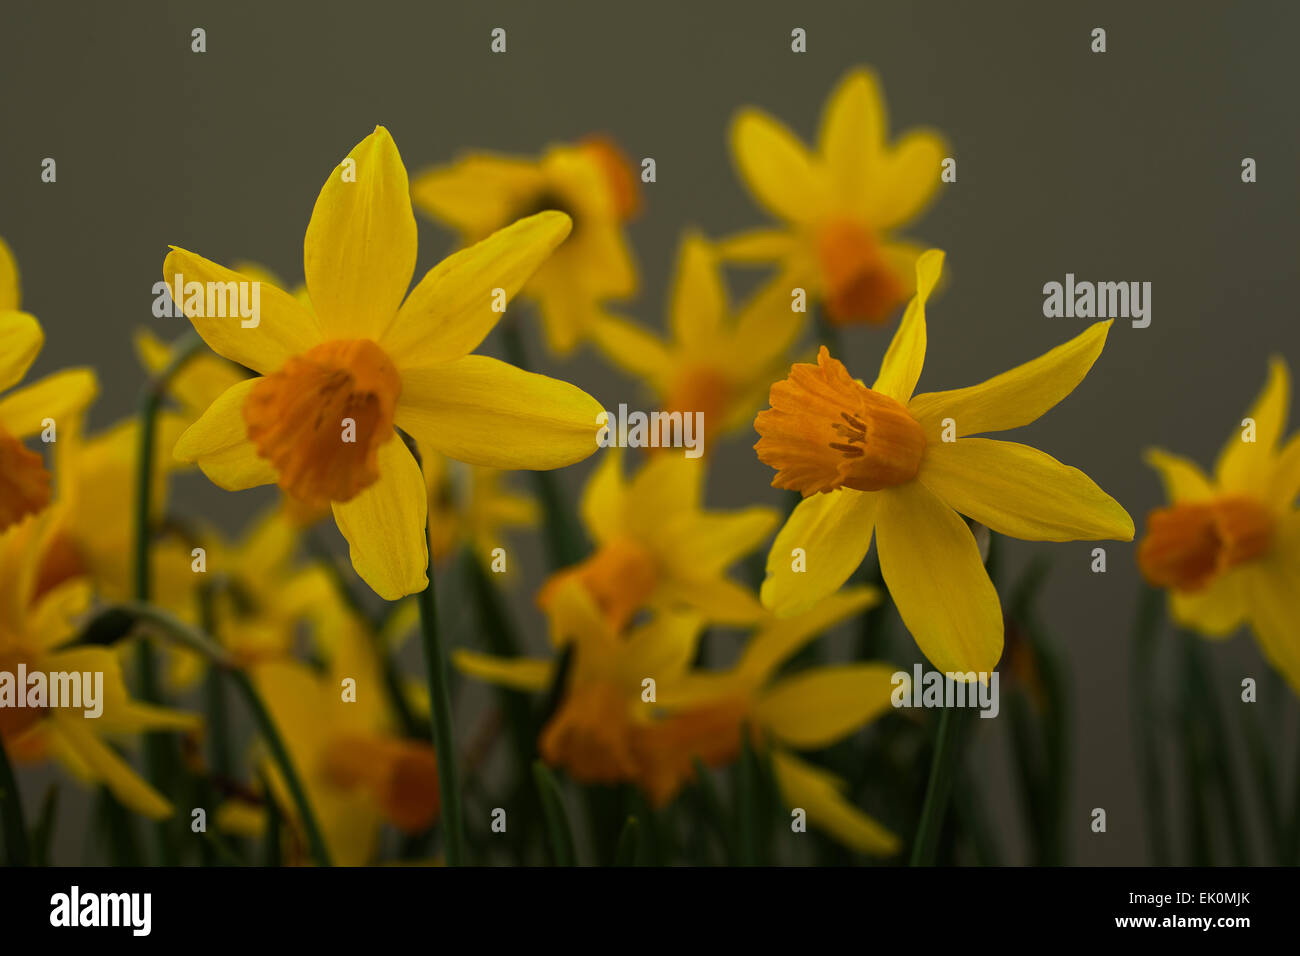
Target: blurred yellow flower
{"x":716,"y":365}
{"x":657,"y":548}
{"x":707,"y":713}
{"x":35,"y":631}
{"x":839,"y":204}
{"x":881,"y":458}
{"x":25,"y":484}
{"x":469,"y":506}
{"x":319,"y":417}
{"x":591,"y":181}
{"x":1228,"y":547}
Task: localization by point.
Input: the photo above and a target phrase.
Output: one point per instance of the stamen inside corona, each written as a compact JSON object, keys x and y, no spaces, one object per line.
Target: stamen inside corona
{"x":1188,"y":545}
{"x":826,"y":431}
{"x":321,"y":418}
{"x":860,"y":285}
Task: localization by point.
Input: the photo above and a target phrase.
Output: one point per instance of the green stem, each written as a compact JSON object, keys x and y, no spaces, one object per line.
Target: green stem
{"x":629,"y":844}
{"x":937,"y":791}
{"x":747,"y":797}
{"x":1219,"y":749}
{"x":1146,"y":632}
{"x":557,"y":821}
{"x":435,"y":662}
{"x":17,"y":850}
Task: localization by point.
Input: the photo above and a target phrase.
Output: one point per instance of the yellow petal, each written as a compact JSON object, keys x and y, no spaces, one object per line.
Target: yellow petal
{"x":478,"y":193}
{"x":385,"y":525}
{"x":1022,"y":492}
{"x":485,"y":412}
{"x":705,"y":544}
{"x":1016,"y":397}
{"x":517,"y":673}
{"x":1183,"y":480}
{"x":110,"y":769}
{"x":699,"y":299}
{"x":833,"y":531}
{"x":717,"y":599}
{"x":776,"y":167}
{"x":602,"y":505}
{"x":758,"y":246}
{"x":1285,"y":484}
{"x":284,"y":327}
{"x":59,"y":396}
{"x":780,"y":639}
{"x":932,"y":566}
{"x":1274,"y":596}
{"x":10,"y":287}
{"x":852,"y":135}
{"x":766,"y":327}
{"x":901,"y":366}
{"x":218,"y":443}
{"x":633,"y":349}
{"x":817,"y":707}
{"x":819,"y":793}
{"x":359,"y":254}
{"x":663,"y":649}
{"x":21,"y":339}
{"x":1247,"y":465}
{"x":199,"y":382}
{"x":907,"y":177}
{"x":1218,"y":609}
{"x":455,"y":305}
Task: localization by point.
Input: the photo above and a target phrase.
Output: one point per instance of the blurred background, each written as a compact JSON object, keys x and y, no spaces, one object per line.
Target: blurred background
{"x":1121,"y":166}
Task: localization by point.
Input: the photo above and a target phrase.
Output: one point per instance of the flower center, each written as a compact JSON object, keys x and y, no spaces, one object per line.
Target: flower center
{"x":401,"y":775}
{"x":860,"y":285}
{"x":24,"y":483}
{"x":1187,"y":545}
{"x":589,"y":735}
{"x":620,"y":576}
{"x":618,"y":173}
{"x":666,"y":750}
{"x":321,"y":418}
{"x":826,"y":431}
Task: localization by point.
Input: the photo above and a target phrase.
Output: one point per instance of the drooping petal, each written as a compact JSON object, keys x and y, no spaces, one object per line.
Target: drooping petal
{"x":517,"y":673}
{"x":776,"y":167}
{"x":1016,"y":397}
{"x":385,"y":526}
{"x":932,"y":567}
{"x":284,"y":327}
{"x":780,"y":639}
{"x":485,"y":412}
{"x":833,"y":531}
{"x":359,"y":253}
{"x":456,"y":305}
{"x":815,"y":708}
{"x":108,"y":768}
{"x":1246,"y":465}
{"x":218,"y":443}
{"x":901,"y":366}
{"x":1182,"y":478}
{"x":821,"y":795}
{"x":59,"y":396}
{"x":1022,"y":492}
{"x":21,"y":339}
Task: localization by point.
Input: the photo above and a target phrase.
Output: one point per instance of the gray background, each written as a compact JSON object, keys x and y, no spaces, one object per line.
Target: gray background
{"x":1122,"y":166}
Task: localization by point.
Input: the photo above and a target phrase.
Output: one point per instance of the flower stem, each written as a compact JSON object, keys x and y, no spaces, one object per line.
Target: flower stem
{"x":435,"y":662}
{"x":937,"y":791}
{"x":17,"y":852}
{"x":557,"y":821}
{"x":158,"y":762}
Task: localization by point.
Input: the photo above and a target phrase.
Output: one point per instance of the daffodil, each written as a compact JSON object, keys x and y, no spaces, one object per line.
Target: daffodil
{"x":357,"y":772}
{"x":1228,"y":547}
{"x":333,"y":381}
{"x":716,"y":364}
{"x":902,"y":465}
{"x":592,"y":733}
{"x":471,"y":506}
{"x":36,"y":630}
{"x":198,"y":383}
{"x":707,"y":715}
{"x":590,"y":181}
{"x":657,"y":548}
{"x":839,"y":204}
{"x":25,"y":484}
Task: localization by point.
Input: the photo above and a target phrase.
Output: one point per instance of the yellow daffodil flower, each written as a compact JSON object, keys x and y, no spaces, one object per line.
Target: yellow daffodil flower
{"x":839,"y":204}
{"x":592,"y":733}
{"x":656,"y":547}
{"x":707,"y":714}
{"x":357,"y":773}
{"x":35,"y":631}
{"x":332,"y":383}
{"x":715,"y":365}
{"x":470,"y":506}
{"x":591,"y":181}
{"x":1228,"y":547}
{"x":25,"y":484}
{"x":883,"y":459}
